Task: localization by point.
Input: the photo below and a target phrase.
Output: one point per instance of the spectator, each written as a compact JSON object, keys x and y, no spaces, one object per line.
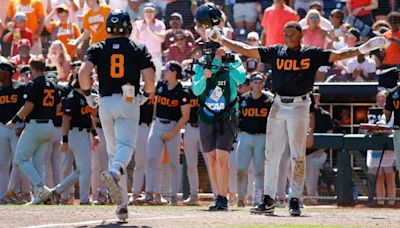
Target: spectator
{"x":361,"y":9}
{"x":94,"y":23}
{"x":361,"y":68}
{"x":303,"y":4}
{"x":182,"y":7}
{"x":175,"y":22}
{"x":35,"y":14}
{"x":251,"y":64}
{"x":316,"y":158}
{"x":324,"y":23}
{"x":135,"y":9}
{"x":151,"y":32}
{"x":73,"y":8}
{"x":225,"y":27}
{"x":274,"y":19}
{"x":352,"y":36}
{"x":22,"y":59}
{"x":17,"y":30}
{"x":59,"y":58}
{"x":392,"y":54}
{"x":245,"y":13}
{"x":63,"y":29}
{"x":337,"y":20}
{"x":314,"y":34}
{"x":385,"y":182}
{"x":384,"y":8}
{"x":181,"y":49}
{"x":379,"y":28}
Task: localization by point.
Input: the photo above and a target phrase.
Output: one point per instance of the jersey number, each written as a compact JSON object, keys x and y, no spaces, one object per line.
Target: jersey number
{"x":48,"y":100}
{"x":117,"y":66}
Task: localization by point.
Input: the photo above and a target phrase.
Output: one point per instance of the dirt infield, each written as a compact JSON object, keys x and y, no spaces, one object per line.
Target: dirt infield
{"x":103,"y":216}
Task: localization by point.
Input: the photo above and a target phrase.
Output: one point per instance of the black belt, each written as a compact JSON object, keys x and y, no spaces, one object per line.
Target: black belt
{"x":287,"y":100}
{"x":80,"y":129}
{"x":165,"y":121}
{"x":194,"y":124}
{"x":254,"y":133}
{"x":39,"y":121}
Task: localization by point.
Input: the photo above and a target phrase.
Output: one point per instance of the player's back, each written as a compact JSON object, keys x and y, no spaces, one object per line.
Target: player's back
{"x":118,"y":63}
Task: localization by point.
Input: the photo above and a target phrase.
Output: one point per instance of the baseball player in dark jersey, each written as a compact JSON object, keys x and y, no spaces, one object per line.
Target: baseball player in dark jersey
{"x":77,"y":125}
{"x":140,"y":156}
{"x":172,"y":113}
{"x":11,"y":101}
{"x":120,"y":62}
{"x":254,"y":108}
{"x":39,"y":110}
{"x":392,"y":106}
{"x":293,"y":72}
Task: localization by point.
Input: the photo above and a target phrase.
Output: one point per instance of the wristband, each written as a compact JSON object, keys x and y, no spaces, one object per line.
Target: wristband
{"x":65,"y":139}
{"x":94,"y":132}
{"x":16,"y":118}
{"x":146,"y":94}
{"x":86,"y":92}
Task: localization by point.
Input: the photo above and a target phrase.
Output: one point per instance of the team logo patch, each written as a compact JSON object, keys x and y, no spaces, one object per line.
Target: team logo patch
{"x":160,"y":90}
{"x":115,"y":46}
{"x":25,"y":96}
{"x":395,"y":95}
{"x":184,"y":99}
{"x":215,"y":105}
{"x":114,"y":20}
{"x":243,"y":104}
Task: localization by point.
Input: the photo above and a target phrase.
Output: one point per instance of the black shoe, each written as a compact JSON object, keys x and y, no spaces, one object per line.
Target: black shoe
{"x":220,"y":204}
{"x":294,"y":207}
{"x":267,"y":206}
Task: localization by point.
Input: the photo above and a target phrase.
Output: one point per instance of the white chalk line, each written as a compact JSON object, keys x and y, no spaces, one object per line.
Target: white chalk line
{"x":92,"y":222}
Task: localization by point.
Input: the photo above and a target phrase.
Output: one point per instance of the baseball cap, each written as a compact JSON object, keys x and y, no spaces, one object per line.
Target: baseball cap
{"x":150,"y":6}
{"x":316,"y":90}
{"x":256,"y":76}
{"x":316,"y":3}
{"x":178,"y":15}
{"x":174,"y":66}
{"x":21,"y":16}
{"x":63,"y":7}
{"x":253,"y":35}
{"x":24,"y":43}
{"x":6,"y":65}
{"x":25,"y":69}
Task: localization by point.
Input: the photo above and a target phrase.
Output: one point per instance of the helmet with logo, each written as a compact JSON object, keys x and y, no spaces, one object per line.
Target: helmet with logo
{"x":118,"y":22}
{"x":208,"y":14}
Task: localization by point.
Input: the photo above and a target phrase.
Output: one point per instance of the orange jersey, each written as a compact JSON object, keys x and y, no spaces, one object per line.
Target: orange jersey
{"x":95,"y":23}
{"x":32,"y":8}
{"x":65,"y":33}
{"x":392,"y":56}
{"x":359,"y":3}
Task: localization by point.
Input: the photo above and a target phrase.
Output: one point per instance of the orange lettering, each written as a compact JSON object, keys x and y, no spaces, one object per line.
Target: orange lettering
{"x":9,"y":99}
{"x":305,"y":64}
{"x":396,"y":104}
{"x":264,"y":112}
{"x":280,"y":63}
{"x":86,"y":110}
{"x":14,"y":98}
{"x":288,"y":64}
{"x":2,"y":99}
{"x":194,"y":103}
{"x":295,"y":67}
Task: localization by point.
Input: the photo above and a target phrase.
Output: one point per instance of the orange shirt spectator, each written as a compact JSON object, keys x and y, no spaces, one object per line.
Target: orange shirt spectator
{"x":63,"y":29}
{"x":354,"y":4}
{"x":392,"y":56}
{"x":33,"y":9}
{"x":274,"y":19}
{"x":95,"y":23}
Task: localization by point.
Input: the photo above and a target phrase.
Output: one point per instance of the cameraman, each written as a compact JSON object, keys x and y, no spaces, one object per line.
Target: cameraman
{"x":218,"y":116}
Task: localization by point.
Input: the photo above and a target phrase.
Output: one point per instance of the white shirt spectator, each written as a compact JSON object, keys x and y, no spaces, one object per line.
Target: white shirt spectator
{"x":367,"y":67}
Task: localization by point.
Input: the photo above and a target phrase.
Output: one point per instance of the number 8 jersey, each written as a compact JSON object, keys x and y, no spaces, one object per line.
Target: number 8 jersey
{"x":119,"y":61}
{"x":43,"y":94}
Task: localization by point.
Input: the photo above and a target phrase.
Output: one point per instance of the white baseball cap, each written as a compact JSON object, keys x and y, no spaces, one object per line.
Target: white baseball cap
{"x":253,"y":35}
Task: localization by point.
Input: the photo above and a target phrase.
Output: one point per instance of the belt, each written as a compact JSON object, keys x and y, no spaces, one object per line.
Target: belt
{"x":194,"y":124}
{"x":254,"y":133}
{"x":288,"y":100}
{"x":80,"y":129}
{"x":39,"y":121}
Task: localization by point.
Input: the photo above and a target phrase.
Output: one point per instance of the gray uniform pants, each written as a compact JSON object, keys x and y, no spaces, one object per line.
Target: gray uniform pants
{"x":79,"y":145}
{"x":31,"y":150}
{"x":99,"y":164}
{"x":286,"y":122}
{"x":250,"y":147}
{"x":140,"y":157}
{"x":120,"y":122}
{"x":155,"y":147}
{"x":10,"y":181}
{"x":52,"y":160}
{"x":67,"y":167}
{"x":192,"y":146}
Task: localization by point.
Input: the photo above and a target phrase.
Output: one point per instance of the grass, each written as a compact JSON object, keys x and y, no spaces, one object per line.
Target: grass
{"x":285,"y":226}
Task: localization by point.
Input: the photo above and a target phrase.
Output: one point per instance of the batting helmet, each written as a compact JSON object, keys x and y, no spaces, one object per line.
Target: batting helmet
{"x":118,"y":22}
{"x":208,"y":14}
{"x":6,"y":65}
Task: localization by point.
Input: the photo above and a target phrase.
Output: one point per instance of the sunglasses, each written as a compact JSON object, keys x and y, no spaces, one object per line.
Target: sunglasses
{"x":314,"y":18}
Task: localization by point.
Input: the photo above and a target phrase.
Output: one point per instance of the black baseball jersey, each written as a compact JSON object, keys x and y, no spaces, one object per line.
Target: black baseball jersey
{"x":194,"y":107}
{"x":63,"y":91}
{"x":293,"y":72}
{"x":169,"y":102}
{"x":119,"y":61}
{"x":10,"y":100}
{"x":254,"y":113}
{"x":393,"y":104}
{"x":146,"y":111}
{"x":44,"y":95}
{"x":75,"y":106}
{"x":323,"y":123}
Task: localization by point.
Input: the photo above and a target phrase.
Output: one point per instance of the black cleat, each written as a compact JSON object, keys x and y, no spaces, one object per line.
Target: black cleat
{"x":266,"y":207}
{"x":294,"y":207}
{"x":220,"y":204}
